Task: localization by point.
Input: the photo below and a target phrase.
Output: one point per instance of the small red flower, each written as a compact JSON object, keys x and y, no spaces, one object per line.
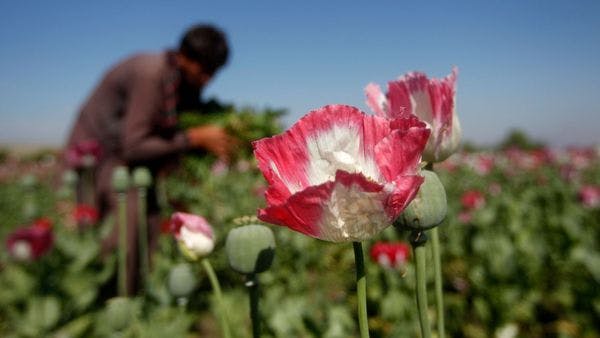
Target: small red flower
{"x":484,"y":164}
{"x":83,"y":154}
{"x":472,"y":199}
{"x":165,"y":226}
{"x":219,"y":168}
{"x":589,"y":196}
{"x":32,"y":242}
{"x":495,"y":189}
{"x":465,"y":216}
{"x":85,"y":215}
{"x":390,"y":255}
{"x":42,"y":223}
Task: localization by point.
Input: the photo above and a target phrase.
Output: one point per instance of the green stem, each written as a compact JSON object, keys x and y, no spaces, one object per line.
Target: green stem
{"x":437,"y":267}
{"x":122,"y":278}
{"x":439,"y":295}
{"x":252,"y":285}
{"x":88,"y":186}
{"x":418,"y":240}
{"x":214,"y":281}
{"x":143,"y":237}
{"x":361,"y":290}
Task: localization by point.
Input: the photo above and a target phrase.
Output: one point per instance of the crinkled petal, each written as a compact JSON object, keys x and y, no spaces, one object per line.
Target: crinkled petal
{"x":405,"y":190}
{"x":314,"y":148}
{"x":191,"y":222}
{"x":399,"y":153}
{"x":351,"y":208}
{"x":376,"y":100}
{"x":398,"y":100}
{"x":446,"y":131}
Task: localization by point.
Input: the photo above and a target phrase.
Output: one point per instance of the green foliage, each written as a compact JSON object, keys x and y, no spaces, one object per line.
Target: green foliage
{"x":519,"y":139}
{"x":4,"y":154}
{"x":245,"y":124}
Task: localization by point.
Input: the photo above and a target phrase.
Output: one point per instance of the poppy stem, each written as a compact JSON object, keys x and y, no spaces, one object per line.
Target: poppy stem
{"x":214,"y":281}
{"x":88,"y":186}
{"x":252,"y":285}
{"x":418,"y":240}
{"x":437,"y":268}
{"x":122,"y":223}
{"x":361,"y":290}
{"x":143,"y":237}
{"x":439,"y":295}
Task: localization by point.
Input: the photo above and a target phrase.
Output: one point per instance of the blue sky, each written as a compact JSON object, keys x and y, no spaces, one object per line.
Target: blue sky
{"x":534,"y":65}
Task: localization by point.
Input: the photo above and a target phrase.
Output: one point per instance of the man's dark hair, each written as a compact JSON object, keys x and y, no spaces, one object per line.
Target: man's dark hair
{"x":207,"y":45}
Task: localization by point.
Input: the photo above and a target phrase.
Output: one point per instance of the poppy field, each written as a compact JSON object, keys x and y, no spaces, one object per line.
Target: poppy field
{"x":518,"y":238}
{"x":519,"y":257}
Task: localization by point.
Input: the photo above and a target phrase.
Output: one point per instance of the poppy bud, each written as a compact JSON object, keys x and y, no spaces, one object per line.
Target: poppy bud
{"x":29,"y":182}
{"x":428,"y":208}
{"x":70,"y":178}
{"x":120,"y":179}
{"x":119,"y":313}
{"x":250,"y":248}
{"x":194,"y":235}
{"x":142,"y":178}
{"x":182,"y":280}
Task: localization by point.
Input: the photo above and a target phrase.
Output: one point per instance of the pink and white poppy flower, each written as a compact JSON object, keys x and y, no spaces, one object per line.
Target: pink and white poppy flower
{"x":31,"y":242}
{"x":589,"y":195}
{"x":340,"y":175}
{"x":85,"y":154}
{"x":194,"y":234}
{"x":432,"y":100}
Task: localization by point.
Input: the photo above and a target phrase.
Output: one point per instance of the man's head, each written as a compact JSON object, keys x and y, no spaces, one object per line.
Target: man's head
{"x":202,"y":51}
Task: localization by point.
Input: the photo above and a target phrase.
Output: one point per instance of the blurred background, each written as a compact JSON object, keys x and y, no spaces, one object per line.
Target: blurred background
{"x":520,"y":241}
{"x":528,"y":65}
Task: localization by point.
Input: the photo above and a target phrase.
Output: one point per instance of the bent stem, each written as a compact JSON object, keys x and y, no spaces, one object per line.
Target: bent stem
{"x":361,"y":290}
{"x":439,"y":296}
{"x":214,"y":281}
{"x":252,"y":285}
{"x":418,"y":240}
{"x":122,"y":220}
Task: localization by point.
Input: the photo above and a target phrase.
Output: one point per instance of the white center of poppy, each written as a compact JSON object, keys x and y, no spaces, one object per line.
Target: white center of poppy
{"x":384,"y":261}
{"x":21,"y":251}
{"x":352,"y":215}
{"x":339,"y":148}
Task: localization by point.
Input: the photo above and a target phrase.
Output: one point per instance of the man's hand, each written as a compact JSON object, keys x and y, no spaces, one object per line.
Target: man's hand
{"x":212,"y":138}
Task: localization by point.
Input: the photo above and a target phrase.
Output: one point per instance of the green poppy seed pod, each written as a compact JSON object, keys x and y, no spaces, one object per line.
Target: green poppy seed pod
{"x":142,"y":178}
{"x":119,"y":313}
{"x":429,"y":207}
{"x":70,"y":178}
{"x":30,"y":209}
{"x":182,"y":280}
{"x":250,"y":248}
{"x":120,"y":179}
{"x":29,"y":181}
